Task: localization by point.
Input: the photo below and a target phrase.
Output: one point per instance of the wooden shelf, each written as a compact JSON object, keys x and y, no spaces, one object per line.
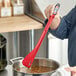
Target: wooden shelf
{"x":18,"y":23}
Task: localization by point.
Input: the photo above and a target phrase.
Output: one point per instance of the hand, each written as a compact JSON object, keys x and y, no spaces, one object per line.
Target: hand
{"x":72,"y":70}
{"x":56,"y":20}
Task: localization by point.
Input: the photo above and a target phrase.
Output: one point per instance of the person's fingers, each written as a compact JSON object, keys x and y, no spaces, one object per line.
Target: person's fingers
{"x":74,"y":68}
{"x":57,"y":15}
{"x":46,"y":10}
{"x":71,"y":69}
{"x":68,"y":69}
{"x":49,"y":10}
{"x":73,"y":73}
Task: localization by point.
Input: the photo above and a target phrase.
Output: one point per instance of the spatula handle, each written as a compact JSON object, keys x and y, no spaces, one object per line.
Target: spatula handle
{"x":56,"y":9}
{"x":44,"y":32}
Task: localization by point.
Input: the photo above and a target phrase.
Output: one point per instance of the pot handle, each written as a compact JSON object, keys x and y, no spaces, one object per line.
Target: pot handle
{"x":15,"y":59}
{"x":58,"y":73}
{"x":62,"y":72}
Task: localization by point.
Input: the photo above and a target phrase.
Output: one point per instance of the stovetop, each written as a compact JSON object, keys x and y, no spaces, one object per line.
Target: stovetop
{"x":7,"y":72}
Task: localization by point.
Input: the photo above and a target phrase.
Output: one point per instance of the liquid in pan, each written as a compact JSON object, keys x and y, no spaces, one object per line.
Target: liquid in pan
{"x":35,"y":69}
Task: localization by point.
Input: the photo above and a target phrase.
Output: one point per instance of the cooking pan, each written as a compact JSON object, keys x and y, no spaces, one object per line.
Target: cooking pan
{"x":38,"y":62}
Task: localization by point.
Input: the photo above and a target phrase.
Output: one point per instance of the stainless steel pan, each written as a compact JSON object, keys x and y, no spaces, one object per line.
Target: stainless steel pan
{"x":17,"y":63}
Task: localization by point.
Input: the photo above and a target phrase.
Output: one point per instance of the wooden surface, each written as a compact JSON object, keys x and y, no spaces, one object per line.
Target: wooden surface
{"x":18,"y":23}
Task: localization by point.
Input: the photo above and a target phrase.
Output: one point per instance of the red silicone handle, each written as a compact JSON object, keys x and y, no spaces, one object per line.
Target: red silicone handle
{"x":44,"y":33}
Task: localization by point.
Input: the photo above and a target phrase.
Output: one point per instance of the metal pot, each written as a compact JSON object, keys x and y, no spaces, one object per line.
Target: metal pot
{"x":17,"y":63}
{"x":3,"y":59}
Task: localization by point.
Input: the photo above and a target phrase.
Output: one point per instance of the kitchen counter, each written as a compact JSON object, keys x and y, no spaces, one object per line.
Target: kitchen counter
{"x":7,"y":72}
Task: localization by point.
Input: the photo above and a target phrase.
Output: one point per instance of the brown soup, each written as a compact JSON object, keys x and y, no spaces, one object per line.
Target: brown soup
{"x":35,"y":69}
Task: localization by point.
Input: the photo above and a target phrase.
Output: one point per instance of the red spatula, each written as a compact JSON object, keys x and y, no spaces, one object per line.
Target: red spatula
{"x":28,"y":60}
